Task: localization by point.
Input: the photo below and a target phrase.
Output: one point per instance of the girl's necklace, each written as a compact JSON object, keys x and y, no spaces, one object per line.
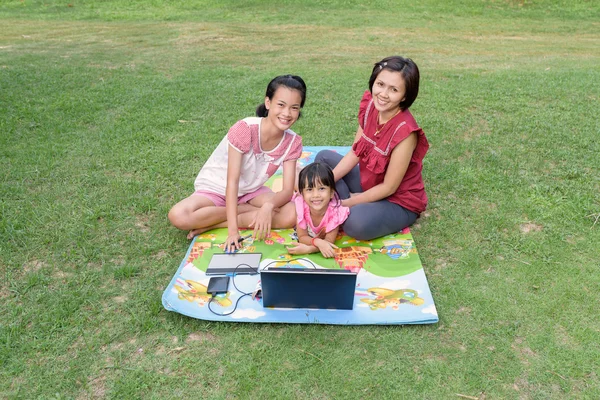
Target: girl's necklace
{"x":385,"y":123}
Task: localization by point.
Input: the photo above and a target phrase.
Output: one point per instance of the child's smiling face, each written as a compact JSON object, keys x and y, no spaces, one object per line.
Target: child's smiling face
{"x":284,"y":107}
{"x":317,"y":197}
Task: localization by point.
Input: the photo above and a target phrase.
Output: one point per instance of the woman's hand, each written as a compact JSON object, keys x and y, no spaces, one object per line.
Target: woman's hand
{"x":349,"y":202}
{"x":326,"y":248}
{"x":262,"y":222}
{"x":232,"y":243}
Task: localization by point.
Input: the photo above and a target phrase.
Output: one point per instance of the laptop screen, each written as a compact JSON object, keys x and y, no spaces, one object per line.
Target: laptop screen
{"x":308,"y":288}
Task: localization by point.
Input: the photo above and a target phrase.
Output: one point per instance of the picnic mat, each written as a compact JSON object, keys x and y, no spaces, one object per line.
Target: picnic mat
{"x":391,"y":286}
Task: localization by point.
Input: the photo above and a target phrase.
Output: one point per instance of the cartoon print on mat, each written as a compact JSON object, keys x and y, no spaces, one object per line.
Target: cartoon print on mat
{"x":274,"y":237}
{"x":387,"y":297}
{"x":198,"y":249}
{"x":288,"y":262}
{"x":210,"y":236}
{"x":305,"y":158}
{"x":351,"y":240}
{"x":193,"y":291}
{"x":352,"y":258}
{"x":398,"y":248}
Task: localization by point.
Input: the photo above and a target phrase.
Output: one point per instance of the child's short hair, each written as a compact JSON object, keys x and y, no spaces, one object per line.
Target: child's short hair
{"x":315,"y":172}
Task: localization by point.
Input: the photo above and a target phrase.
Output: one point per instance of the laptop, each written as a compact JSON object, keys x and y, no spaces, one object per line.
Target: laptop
{"x":308,"y":288}
{"x":234,"y":263}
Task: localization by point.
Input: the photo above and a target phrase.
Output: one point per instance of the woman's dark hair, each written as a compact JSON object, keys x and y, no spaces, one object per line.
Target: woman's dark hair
{"x":409,"y":71}
{"x":314,"y":173}
{"x":289,"y":81}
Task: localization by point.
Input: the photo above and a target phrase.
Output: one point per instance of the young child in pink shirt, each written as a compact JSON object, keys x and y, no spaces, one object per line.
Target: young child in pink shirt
{"x":319,"y":212}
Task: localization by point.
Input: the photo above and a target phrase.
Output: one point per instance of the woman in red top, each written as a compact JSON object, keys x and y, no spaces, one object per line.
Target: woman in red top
{"x":380,"y":178}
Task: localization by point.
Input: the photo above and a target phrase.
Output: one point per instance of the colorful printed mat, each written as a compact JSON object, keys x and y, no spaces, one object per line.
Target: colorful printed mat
{"x":391,"y":286}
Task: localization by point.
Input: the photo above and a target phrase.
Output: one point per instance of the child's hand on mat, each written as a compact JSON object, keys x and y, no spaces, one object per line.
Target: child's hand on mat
{"x":262,"y":222}
{"x":326,"y":248}
{"x":232,"y":243}
{"x":299,"y":248}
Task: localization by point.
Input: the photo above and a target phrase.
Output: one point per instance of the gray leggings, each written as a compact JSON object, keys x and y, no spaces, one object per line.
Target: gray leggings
{"x":367,"y":220}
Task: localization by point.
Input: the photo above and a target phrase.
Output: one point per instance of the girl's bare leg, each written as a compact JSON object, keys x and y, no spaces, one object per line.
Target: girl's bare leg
{"x":243,"y":208}
{"x":283,"y":217}
{"x":196,"y":212}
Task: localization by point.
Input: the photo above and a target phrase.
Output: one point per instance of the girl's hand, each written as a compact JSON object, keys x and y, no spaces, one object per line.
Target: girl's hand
{"x":299,"y":248}
{"x":232,"y":243}
{"x":262,"y":222}
{"x":326,"y":248}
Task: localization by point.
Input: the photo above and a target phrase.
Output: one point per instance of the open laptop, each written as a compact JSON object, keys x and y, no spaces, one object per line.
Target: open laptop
{"x":308,"y":288}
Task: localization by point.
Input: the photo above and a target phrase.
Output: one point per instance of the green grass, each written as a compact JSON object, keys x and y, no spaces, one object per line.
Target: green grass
{"x":93,"y":154}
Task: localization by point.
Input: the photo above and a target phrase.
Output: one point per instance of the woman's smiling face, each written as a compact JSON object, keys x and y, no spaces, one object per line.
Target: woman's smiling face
{"x":388,"y":91}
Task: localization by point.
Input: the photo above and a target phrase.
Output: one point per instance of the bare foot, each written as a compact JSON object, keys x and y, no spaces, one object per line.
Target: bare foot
{"x":195,"y":232}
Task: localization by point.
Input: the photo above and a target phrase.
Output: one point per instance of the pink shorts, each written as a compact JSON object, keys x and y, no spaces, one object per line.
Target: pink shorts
{"x":220,"y":200}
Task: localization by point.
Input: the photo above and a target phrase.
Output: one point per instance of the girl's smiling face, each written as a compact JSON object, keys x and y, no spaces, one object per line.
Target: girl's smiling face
{"x":317,"y":197}
{"x":284,"y":107}
{"x":388,"y":91}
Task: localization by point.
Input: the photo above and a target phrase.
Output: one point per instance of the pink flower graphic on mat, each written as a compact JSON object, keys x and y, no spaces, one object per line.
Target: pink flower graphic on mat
{"x":275,"y":237}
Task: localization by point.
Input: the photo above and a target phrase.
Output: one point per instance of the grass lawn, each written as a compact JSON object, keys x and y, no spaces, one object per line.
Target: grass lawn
{"x":109,"y":109}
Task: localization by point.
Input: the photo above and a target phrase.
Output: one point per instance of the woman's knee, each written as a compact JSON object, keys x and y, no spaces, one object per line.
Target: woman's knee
{"x":328,"y":157}
{"x":320,"y":155}
{"x":364,"y":223}
{"x":356,"y":228}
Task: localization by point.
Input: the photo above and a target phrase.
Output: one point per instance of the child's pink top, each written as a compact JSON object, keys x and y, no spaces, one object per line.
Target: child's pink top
{"x":335,"y":215}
